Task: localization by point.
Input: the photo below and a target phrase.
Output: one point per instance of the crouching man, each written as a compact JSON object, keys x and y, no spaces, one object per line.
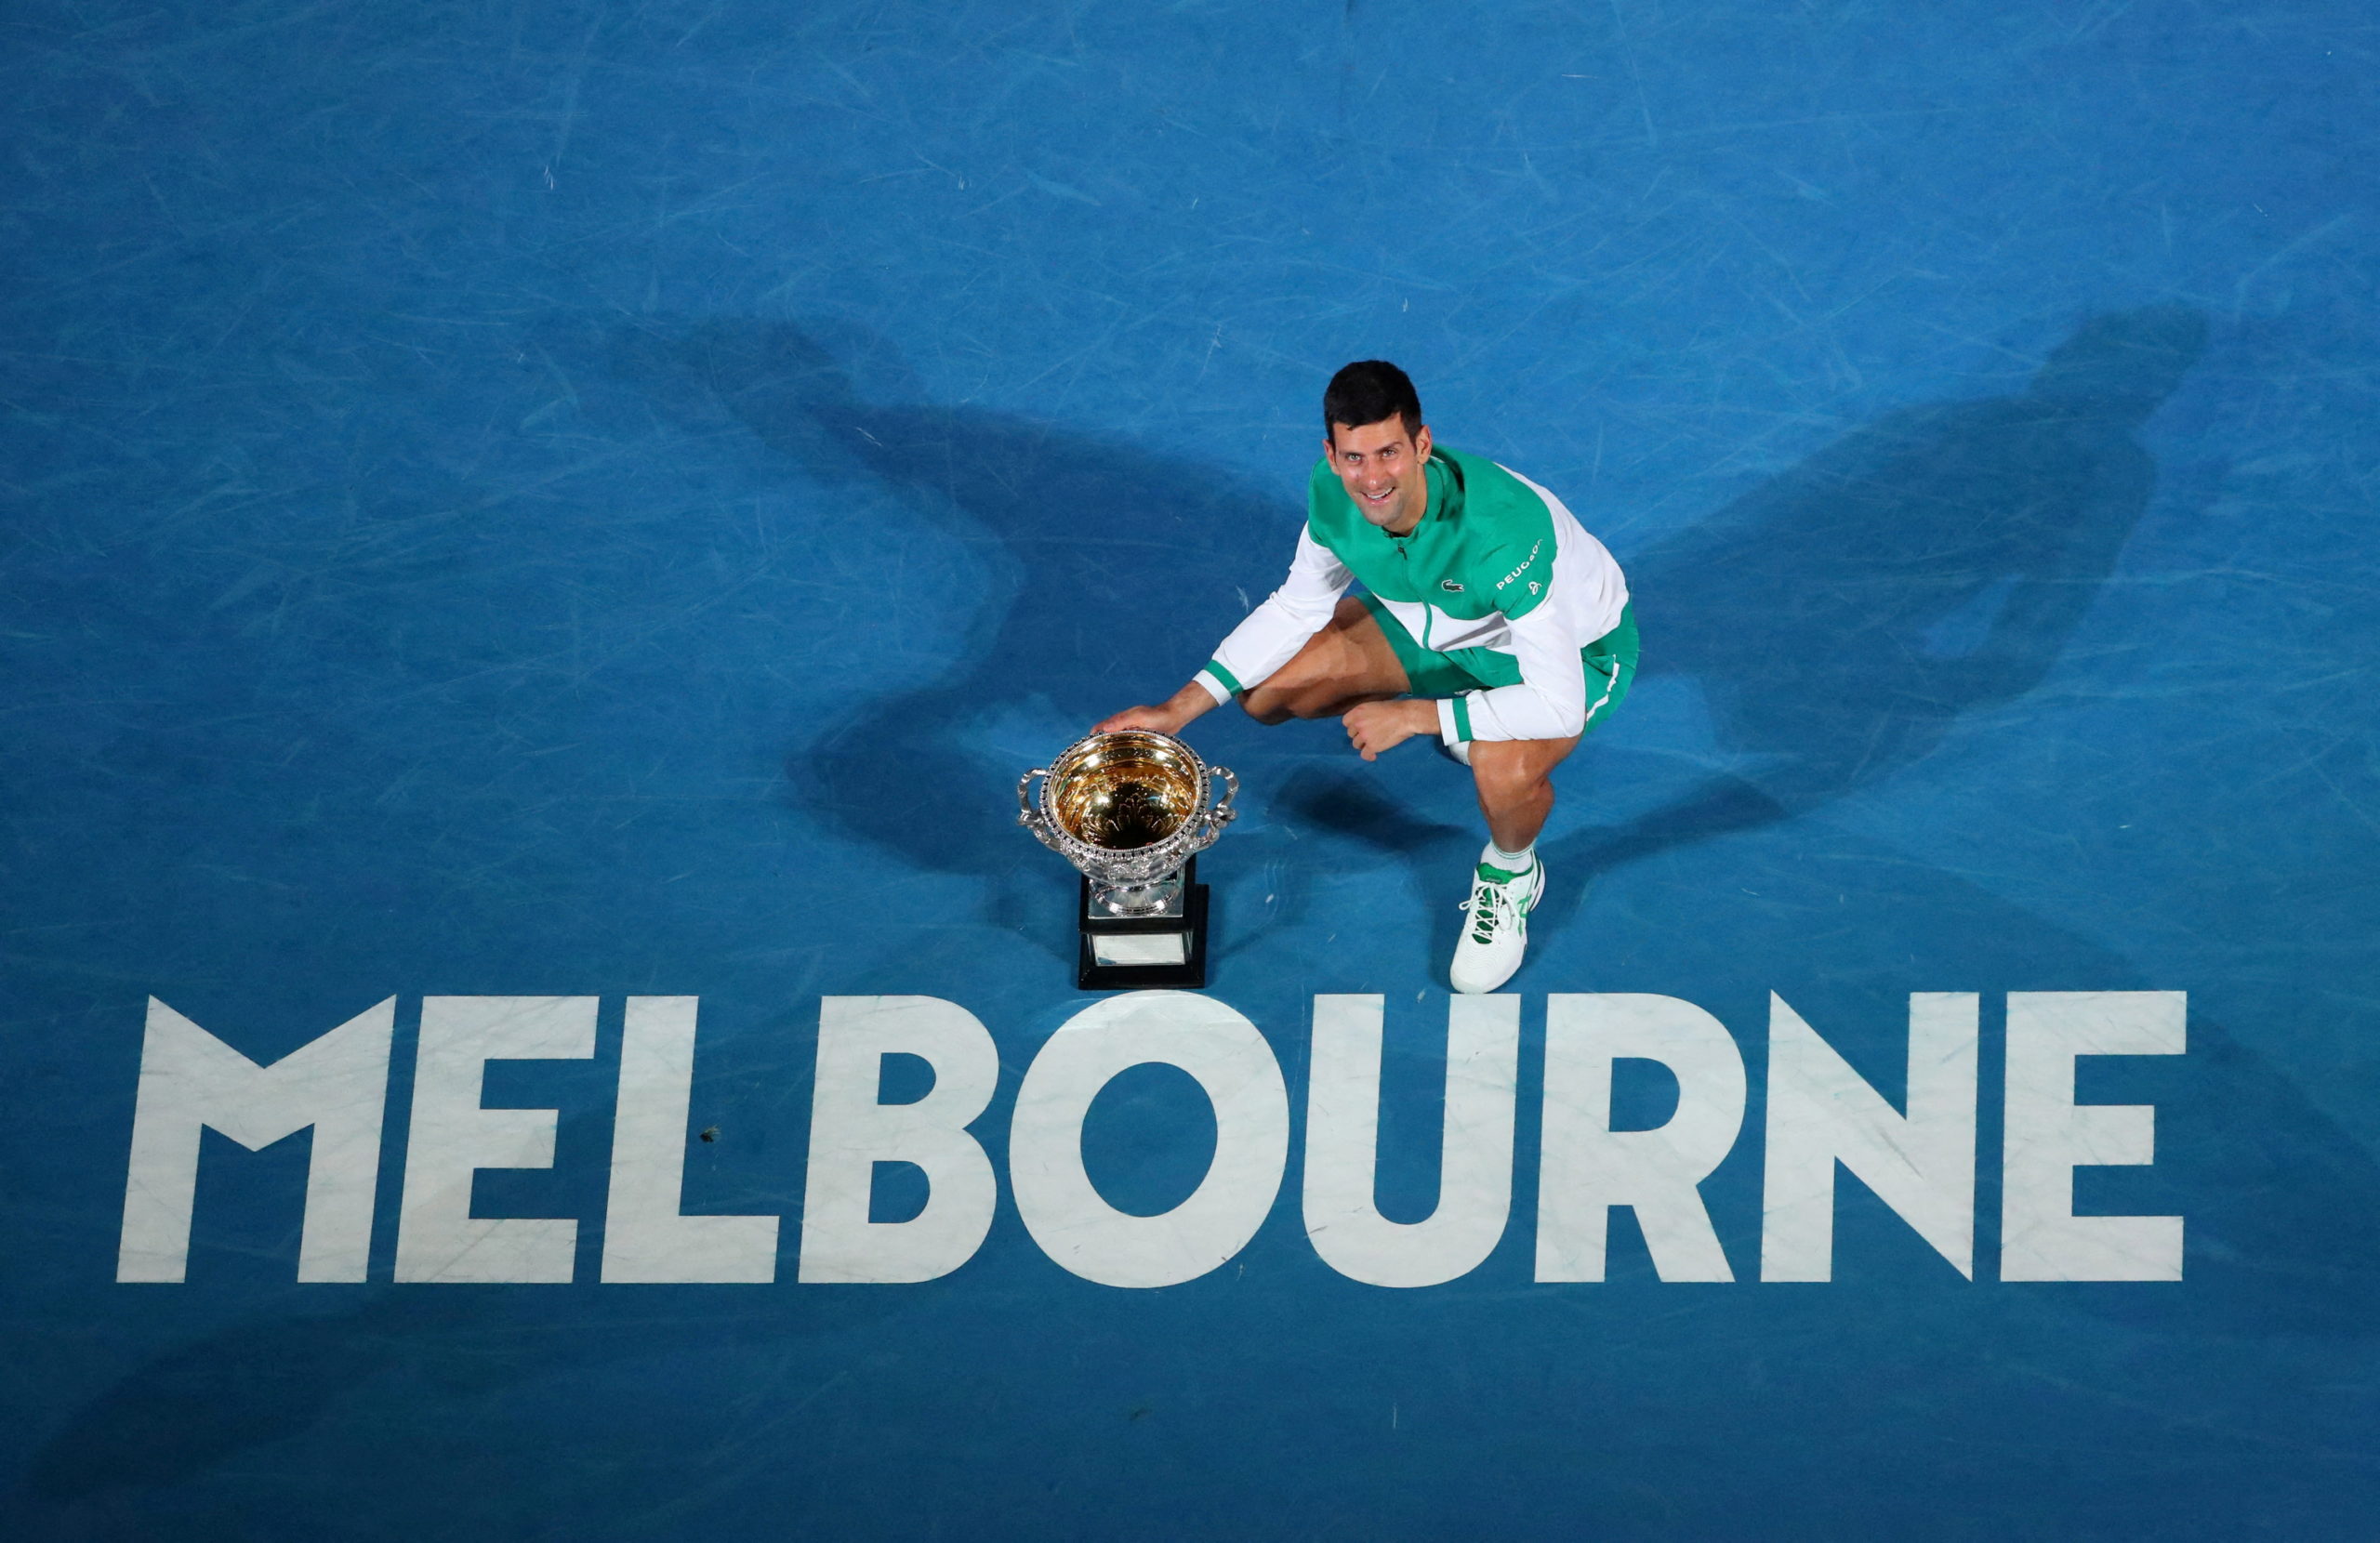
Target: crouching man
{"x":1490,"y":618}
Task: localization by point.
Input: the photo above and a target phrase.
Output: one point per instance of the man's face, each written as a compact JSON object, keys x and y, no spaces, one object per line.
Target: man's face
{"x":1381,"y":468}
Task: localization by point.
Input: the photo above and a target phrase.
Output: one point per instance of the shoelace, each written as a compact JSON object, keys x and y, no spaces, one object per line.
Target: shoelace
{"x":1492,"y":905}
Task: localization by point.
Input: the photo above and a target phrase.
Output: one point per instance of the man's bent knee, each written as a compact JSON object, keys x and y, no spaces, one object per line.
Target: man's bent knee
{"x":1514,"y":767}
{"x":1512,"y":784}
{"x":1266,"y":708}
{"x":1278,"y":706}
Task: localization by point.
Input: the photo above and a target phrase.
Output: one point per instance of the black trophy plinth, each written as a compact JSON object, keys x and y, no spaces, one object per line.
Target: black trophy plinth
{"x":1166,"y":948}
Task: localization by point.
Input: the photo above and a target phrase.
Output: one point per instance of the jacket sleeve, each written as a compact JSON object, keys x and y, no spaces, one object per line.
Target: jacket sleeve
{"x":1276,"y":629}
{"x":1550,"y":702}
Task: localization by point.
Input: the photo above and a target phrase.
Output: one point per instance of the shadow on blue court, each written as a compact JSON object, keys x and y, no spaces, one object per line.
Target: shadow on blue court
{"x":1841,"y":617}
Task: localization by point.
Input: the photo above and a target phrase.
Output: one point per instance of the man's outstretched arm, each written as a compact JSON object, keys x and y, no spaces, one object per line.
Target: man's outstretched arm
{"x":1269,"y":638}
{"x":1168,"y":717}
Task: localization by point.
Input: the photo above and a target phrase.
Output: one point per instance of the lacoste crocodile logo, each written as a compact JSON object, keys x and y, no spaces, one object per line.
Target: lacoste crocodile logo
{"x":1450,"y":587}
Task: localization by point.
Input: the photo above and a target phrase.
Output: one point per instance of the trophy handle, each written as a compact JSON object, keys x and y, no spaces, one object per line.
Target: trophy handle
{"x":1223,"y":813}
{"x":1026,"y":815}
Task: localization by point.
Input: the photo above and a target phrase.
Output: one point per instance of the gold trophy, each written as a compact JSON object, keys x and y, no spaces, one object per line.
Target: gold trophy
{"x":1129,"y":811}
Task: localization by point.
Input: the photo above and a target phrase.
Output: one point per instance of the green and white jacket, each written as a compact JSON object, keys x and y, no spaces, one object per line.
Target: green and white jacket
{"x":1496,"y":563}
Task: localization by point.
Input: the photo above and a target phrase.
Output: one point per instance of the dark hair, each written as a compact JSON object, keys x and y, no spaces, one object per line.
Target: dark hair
{"x":1368,"y":391}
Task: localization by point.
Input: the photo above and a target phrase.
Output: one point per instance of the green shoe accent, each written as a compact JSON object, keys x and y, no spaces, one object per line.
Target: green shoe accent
{"x":1497,"y":876}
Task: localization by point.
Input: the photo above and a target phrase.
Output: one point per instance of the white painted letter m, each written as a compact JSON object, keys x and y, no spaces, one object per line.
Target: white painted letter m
{"x":190,"y":1080}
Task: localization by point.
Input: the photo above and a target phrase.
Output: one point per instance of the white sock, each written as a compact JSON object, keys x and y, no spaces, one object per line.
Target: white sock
{"x":1510,"y":861}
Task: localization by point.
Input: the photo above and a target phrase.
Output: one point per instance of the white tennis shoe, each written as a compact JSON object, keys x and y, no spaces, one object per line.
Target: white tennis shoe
{"x":1497,"y":934}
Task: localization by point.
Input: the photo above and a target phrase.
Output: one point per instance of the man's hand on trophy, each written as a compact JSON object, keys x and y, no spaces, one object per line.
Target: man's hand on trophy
{"x":1136,"y":717}
{"x":1167,"y":719}
{"x":1375,"y":727}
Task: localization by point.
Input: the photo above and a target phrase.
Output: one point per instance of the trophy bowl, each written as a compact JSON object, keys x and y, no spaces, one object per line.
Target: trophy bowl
{"x":1128,"y":809}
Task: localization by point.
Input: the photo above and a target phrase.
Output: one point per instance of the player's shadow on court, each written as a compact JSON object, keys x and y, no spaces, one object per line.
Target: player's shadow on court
{"x":1841,"y":616}
{"x":1085,"y":571}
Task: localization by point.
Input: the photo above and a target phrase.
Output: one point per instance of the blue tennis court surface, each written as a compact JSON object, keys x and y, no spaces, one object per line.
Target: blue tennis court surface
{"x":538,"y":539}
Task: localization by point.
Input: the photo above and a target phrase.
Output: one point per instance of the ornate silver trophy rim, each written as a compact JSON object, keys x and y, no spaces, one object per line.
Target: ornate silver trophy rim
{"x":1133,"y":881}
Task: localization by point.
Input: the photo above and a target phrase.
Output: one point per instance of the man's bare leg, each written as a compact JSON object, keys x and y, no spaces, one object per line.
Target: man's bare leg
{"x":1515,"y":785}
{"x":1349,"y":661}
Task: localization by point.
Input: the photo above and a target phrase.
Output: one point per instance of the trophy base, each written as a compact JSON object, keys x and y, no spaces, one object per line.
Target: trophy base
{"x":1165,"y":950}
